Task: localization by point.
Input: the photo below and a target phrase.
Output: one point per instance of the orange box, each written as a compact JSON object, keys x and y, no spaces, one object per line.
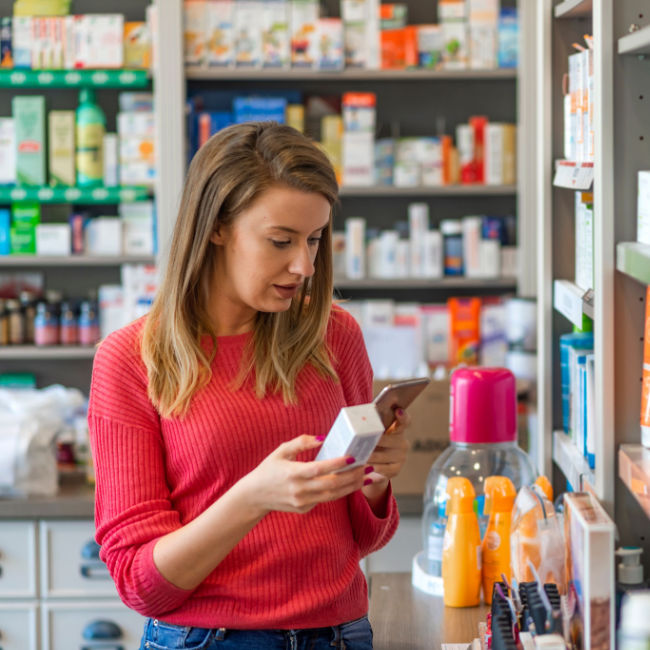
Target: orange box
{"x":464,"y":330}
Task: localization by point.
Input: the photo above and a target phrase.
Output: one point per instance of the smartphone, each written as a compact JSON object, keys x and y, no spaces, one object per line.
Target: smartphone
{"x":398,"y":395}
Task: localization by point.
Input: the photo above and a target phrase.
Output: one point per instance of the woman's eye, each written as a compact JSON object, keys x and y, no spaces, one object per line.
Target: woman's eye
{"x":280,"y":244}
{"x":314,"y":241}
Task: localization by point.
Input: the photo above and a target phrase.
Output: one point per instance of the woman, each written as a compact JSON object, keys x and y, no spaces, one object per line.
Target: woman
{"x":213,"y":517}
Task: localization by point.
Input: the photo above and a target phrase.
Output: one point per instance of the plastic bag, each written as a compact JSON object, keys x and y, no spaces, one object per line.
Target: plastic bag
{"x":536,"y":535}
{"x":29,"y":423}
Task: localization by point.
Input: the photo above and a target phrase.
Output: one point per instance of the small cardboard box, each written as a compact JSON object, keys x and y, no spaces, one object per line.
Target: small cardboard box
{"x":428,"y":435}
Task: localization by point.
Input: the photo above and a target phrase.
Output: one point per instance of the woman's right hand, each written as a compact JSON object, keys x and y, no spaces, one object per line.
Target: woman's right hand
{"x":280,"y":482}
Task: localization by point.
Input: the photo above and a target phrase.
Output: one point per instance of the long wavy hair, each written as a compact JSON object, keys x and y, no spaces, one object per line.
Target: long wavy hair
{"x":230,"y":171}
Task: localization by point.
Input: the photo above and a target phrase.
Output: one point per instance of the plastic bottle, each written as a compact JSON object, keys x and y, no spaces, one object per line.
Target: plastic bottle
{"x":434,"y":541}
{"x":90,"y":129}
{"x":634,"y":633}
{"x":483,"y":442}
{"x":461,"y":553}
{"x":500,"y":496}
{"x":545,"y":486}
{"x":629,"y":574}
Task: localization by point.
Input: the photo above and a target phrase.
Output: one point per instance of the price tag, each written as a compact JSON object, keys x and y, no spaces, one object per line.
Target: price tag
{"x":568,"y":300}
{"x":45,"y":194}
{"x":72,"y":194}
{"x":100,"y":194}
{"x":575,"y":176}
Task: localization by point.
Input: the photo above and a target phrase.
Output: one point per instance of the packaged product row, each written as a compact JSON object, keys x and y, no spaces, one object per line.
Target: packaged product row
{"x":473,"y":247}
{"x":131,"y":232}
{"x":406,"y":339}
{"x":32,"y":314}
{"x":295,"y":34}
{"x":346,"y":126}
{"x":71,"y":147}
{"x":74,"y":42}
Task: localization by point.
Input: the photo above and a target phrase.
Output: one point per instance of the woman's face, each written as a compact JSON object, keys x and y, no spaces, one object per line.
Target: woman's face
{"x":267,"y":253}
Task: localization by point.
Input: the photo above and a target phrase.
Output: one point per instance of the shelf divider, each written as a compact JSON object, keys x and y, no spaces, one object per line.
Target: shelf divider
{"x":572,"y":302}
{"x":635,"y":43}
{"x":51,"y":352}
{"x":634,"y":471}
{"x":74,"y":260}
{"x":574,"y":9}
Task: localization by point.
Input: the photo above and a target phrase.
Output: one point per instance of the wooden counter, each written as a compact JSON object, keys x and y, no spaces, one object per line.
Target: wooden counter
{"x":404,"y":618}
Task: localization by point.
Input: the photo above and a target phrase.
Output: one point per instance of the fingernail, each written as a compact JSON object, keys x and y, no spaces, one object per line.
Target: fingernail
{"x":368,"y":469}
{"x":400,"y":412}
{"x":320,"y":438}
{"x":368,"y":481}
{"x":350,"y":459}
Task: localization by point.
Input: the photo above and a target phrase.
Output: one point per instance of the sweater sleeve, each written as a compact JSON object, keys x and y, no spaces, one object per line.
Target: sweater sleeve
{"x":355,"y":372}
{"x":132,"y":501}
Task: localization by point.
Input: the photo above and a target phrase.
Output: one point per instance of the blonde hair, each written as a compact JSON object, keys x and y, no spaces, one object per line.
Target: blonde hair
{"x":230,"y":171}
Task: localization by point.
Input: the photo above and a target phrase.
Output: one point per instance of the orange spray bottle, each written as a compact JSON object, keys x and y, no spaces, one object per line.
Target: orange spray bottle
{"x":545,"y":485}
{"x":500,"y":496}
{"x":461,"y":551}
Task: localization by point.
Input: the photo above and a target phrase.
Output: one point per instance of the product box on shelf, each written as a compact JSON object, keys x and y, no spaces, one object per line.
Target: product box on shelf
{"x":194,"y":31}
{"x":61,"y":149}
{"x":359,"y":115}
{"x":137,"y":45}
{"x":304,"y":33}
{"x":590,"y":539}
{"x":7,"y":151}
{"x":248,"y":33}
{"x":100,"y":43}
{"x":430,"y":45}
{"x":5,"y":228}
{"x":453,"y":19}
{"x":330,"y":44}
{"x":6,"y":51}
{"x":361,"y":33}
{"x":483,"y":33}
{"x":584,"y":240}
{"x":428,"y":435}
{"x":508,"y":38}
{"x":103,"y":236}
{"x":53,"y":239}
{"x":29,"y":124}
{"x":276,"y":42}
{"x":21,"y":41}
{"x":220,"y":33}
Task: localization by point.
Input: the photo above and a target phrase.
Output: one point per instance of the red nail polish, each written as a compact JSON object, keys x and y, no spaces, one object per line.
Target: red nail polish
{"x":368,"y":481}
{"x":350,"y":459}
{"x":368,"y":469}
{"x":400,"y":412}
{"x":320,"y":438}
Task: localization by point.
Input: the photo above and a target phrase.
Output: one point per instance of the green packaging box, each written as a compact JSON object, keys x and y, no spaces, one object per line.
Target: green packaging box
{"x":25,"y":214}
{"x":61,"y":147}
{"x":23,"y":240}
{"x":29,"y":124}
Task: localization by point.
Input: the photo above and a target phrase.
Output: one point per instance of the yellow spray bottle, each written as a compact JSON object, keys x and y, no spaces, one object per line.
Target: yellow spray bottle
{"x":500,"y":496}
{"x":461,"y":550}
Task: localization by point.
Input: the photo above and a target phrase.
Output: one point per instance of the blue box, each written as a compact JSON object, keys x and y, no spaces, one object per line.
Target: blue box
{"x":5,"y":224}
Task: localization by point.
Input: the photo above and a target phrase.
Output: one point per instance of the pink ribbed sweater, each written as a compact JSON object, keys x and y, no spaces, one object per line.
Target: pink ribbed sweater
{"x":155,"y":474}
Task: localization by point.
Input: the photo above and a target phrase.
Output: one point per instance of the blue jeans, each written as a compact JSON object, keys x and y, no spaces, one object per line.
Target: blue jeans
{"x":355,"y":635}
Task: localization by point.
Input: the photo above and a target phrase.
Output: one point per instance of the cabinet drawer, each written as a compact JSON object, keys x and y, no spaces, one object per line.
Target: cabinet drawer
{"x":17,"y":559}
{"x":105,"y":624}
{"x":70,"y":564}
{"x":19,"y":626}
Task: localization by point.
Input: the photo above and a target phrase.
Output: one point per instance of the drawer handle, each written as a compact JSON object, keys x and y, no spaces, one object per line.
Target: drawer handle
{"x":100,"y":630}
{"x":94,"y":572}
{"x":90,"y":550}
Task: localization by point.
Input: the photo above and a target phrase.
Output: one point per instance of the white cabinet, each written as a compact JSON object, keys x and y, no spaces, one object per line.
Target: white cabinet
{"x":18,"y":560}
{"x":74,"y":605}
{"x":19,"y":626}
{"x":70,"y":564}
{"x":86,"y":625}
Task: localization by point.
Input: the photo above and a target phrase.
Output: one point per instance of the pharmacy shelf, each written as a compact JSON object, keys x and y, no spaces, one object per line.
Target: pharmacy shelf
{"x":96,"y":195}
{"x":633,"y":259}
{"x":74,"y":78}
{"x":201,"y":73}
{"x":53,"y":352}
{"x":571,"y":462}
{"x":574,"y":9}
{"x":440,"y":190}
{"x":636,"y":43}
{"x":74,"y":260}
{"x":426,"y":283}
{"x":634,"y":471}
{"x":572,"y":302}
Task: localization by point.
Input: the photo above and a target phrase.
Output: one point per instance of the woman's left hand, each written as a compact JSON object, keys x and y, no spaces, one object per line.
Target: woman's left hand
{"x":389,"y":455}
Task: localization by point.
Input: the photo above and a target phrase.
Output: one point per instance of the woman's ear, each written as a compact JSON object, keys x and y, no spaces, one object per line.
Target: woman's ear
{"x":217,"y":237}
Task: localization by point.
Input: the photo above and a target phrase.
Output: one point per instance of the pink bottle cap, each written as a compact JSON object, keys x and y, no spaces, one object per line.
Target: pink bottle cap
{"x":483,"y":406}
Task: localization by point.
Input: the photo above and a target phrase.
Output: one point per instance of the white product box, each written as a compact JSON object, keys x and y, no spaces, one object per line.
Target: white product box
{"x":402,"y":258}
{"x":359,"y":113}
{"x":330,"y":44}
{"x":105,"y":41}
{"x":483,"y":45}
{"x":140,"y":124}
{"x":220,"y":33}
{"x":21,"y":41}
{"x":136,"y":149}
{"x":137,"y":173}
{"x":377,"y":313}
{"x":304,"y":33}
{"x":472,"y":240}
{"x":53,"y":239}
{"x":276,"y":40}
{"x":361,"y":33}
{"x":643,"y":208}
{"x":453,"y":19}
{"x":137,"y":238}
{"x":387,"y":254}
{"x":248,"y":33}
{"x":435,"y":333}
{"x":355,"y":433}
{"x":489,"y":253}
{"x":111,"y":165}
{"x":433,"y":254}
{"x":358,"y":159}
{"x":418,"y":216}
{"x":103,"y":236}
{"x":139,"y":211}
{"x":407,"y":173}
{"x":112,"y":314}
{"x":494,"y":153}
{"x":7,"y":151}
{"x":584,"y":240}
{"x":494,"y":345}
{"x":194,"y":31}
{"x":355,"y":247}
{"x":590,"y":538}
{"x":509,"y":261}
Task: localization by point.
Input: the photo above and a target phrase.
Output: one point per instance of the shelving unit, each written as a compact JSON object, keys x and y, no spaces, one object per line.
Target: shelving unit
{"x":637,"y":43}
{"x":572,"y":302}
{"x":633,"y":259}
{"x":42,"y":353}
{"x":634,"y":472}
{"x":18,"y":79}
{"x":442,"y":190}
{"x":10,"y":261}
{"x":83,"y":195}
{"x":426,"y":283}
{"x":573,"y":9}
{"x":571,"y":462}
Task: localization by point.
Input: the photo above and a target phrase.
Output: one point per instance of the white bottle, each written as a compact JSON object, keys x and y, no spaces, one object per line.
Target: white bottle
{"x":634,"y":633}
